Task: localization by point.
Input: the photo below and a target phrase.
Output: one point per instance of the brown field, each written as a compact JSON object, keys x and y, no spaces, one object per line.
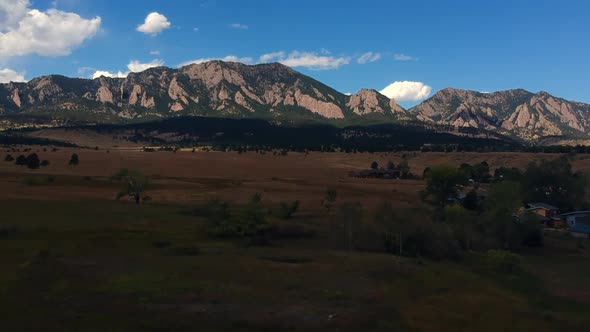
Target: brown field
{"x":73,"y":259}
{"x":185,"y":177}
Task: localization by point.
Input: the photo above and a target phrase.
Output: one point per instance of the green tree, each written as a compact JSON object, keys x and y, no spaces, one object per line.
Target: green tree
{"x":374,"y":165}
{"x":33,"y":161}
{"x":392,"y":227}
{"x":443,"y":184}
{"x":504,"y":202}
{"x":74,"y":160}
{"x":404,"y":168}
{"x":134,"y":185}
{"x":554,"y":182}
{"x":462,"y":223}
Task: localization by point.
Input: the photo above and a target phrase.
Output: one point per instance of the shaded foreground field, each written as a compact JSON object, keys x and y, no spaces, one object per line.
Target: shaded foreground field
{"x":73,"y":259}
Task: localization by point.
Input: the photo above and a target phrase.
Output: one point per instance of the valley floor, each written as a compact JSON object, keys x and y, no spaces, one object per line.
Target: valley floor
{"x":74,"y":259}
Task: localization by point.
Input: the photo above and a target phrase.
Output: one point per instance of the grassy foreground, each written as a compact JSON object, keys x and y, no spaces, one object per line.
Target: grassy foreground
{"x":94,"y":265}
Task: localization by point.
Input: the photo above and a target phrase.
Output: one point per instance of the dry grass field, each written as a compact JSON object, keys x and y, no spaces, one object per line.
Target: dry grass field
{"x":74,"y":259}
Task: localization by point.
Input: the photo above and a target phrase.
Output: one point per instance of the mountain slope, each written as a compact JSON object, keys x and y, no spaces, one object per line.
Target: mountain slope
{"x":212,"y":88}
{"x":517,"y":112}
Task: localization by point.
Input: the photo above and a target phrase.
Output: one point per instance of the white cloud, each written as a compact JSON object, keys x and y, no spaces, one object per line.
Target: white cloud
{"x":403,"y":57}
{"x":269,"y":57}
{"x":133,"y":66}
{"x":239,"y":26}
{"x":24,"y":30}
{"x":308,"y":60}
{"x":136,"y":66}
{"x":100,"y":73}
{"x":9,"y":75}
{"x":154,"y":24}
{"x":407,"y":91}
{"x":369,"y":57}
{"x":156,"y":52}
{"x":229,"y":58}
{"x":314,"y":61}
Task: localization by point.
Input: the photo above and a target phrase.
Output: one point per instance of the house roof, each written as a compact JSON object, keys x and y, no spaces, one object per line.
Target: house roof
{"x":542,"y":206}
{"x":575,"y":212}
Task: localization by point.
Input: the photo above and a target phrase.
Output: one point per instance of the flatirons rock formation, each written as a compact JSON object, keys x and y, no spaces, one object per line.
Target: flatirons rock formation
{"x":518,"y":112}
{"x":213,"y":88}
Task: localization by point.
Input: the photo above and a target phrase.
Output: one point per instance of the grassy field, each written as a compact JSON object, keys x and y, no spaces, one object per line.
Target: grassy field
{"x":74,"y":259}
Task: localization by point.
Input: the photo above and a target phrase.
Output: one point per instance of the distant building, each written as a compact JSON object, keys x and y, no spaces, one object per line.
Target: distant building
{"x":578,"y":223}
{"x":377,"y":174}
{"x":547,"y":214}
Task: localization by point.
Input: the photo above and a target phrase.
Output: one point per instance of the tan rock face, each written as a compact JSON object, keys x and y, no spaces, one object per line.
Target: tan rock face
{"x":325,"y":109}
{"x":135,"y":94}
{"x":176,"y":92}
{"x":104,"y":95}
{"x":16,"y":97}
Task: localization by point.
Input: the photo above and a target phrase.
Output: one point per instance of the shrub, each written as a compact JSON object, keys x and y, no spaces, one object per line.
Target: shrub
{"x":74,"y":160}
{"x":287,"y":210}
{"x":45,"y":163}
{"x":33,"y":161}
{"x":21,"y":160}
{"x":9,"y":158}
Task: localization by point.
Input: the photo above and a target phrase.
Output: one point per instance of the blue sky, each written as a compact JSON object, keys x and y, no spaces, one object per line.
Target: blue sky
{"x":478,"y":45}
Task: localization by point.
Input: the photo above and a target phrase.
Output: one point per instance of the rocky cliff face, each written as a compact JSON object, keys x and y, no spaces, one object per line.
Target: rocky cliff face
{"x":518,"y":112}
{"x":212,"y":88}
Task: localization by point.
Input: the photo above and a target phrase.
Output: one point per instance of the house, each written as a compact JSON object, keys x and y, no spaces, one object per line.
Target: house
{"x":547,"y":214}
{"x":578,"y":223}
{"x":377,"y":174}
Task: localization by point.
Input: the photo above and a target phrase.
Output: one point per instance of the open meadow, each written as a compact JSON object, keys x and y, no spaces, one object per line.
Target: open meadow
{"x":74,"y":258}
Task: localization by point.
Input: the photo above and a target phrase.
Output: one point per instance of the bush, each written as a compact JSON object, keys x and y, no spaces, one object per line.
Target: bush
{"x":33,"y":161}
{"x":287,"y":210}
{"x":45,"y":163}
{"x":9,"y":158}
{"x":74,"y":160}
{"x":21,"y":160}
{"x":503,"y":261}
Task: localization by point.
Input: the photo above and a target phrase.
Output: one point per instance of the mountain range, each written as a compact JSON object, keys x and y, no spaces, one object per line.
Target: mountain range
{"x":279,"y":93}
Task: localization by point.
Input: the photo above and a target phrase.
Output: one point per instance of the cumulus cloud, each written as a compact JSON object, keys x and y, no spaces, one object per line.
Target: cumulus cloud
{"x":133,"y":66}
{"x":369,"y":57}
{"x":9,"y":75}
{"x":269,"y":57}
{"x":403,"y":57}
{"x":136,"y":66}
{"x":310,"y":60}
{"x":154,"y":24}
{"x":314,"y":61}
{"x":239,"y":26}
{"x":24,"y":30}
{"x":229,"y":58}
{"x":407,"y":91}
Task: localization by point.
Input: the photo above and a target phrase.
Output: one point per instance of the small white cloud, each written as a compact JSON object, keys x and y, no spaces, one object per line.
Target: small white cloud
{"x":104,"y":73}
{"x":403,"y":57}
{"x":314,"y":61}
{"x":156,"y":52}
{"x":196,"y":29}
{"x":136,"y":66}
{"x":133,"y":66}
{"x":269,"y":57}
{"x":9,"y":75}
{"x":154,"y":24}
{"x":83,"y":70}
{"x":24,"y":30}
{"x":239,"y":26}
{"x":407,"y":91}
{"x":369,"y":57}
{"x":229,"y":58}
